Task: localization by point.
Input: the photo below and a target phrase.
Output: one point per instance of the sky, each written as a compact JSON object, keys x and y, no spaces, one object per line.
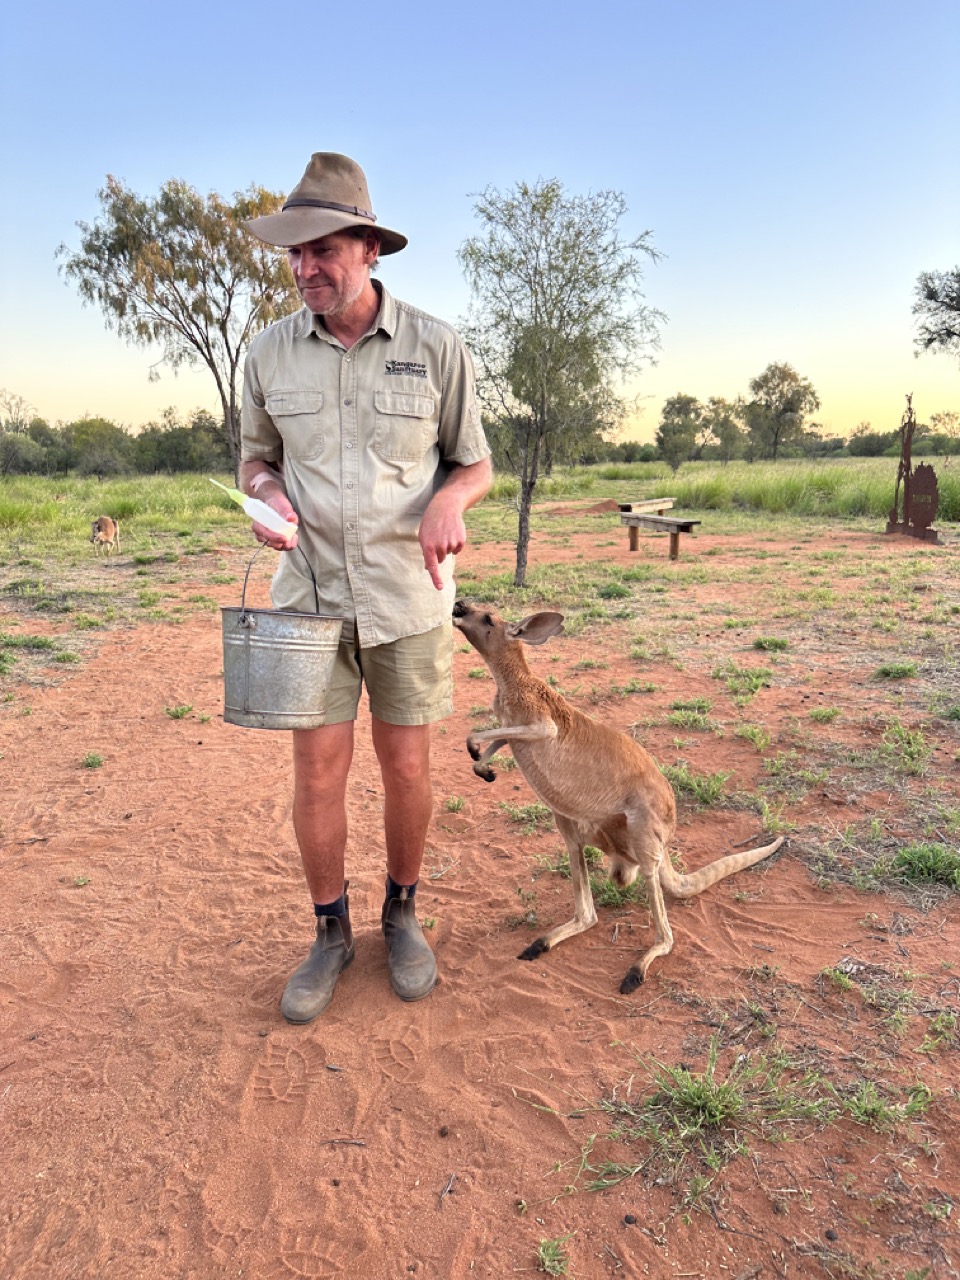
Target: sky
{"x":796,"y":163}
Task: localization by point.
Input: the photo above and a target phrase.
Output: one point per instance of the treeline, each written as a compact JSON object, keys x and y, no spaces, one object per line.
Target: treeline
{"x":689,"y":431}
{"x":29,"y":445}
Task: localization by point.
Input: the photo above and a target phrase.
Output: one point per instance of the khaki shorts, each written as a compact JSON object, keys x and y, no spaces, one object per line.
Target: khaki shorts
{"x":409,"y":681}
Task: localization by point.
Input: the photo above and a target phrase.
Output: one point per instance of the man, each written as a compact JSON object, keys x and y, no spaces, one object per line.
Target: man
{"x":360,"y":425}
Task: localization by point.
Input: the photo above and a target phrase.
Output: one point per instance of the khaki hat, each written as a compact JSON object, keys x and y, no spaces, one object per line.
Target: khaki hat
{"x":331,"y":195}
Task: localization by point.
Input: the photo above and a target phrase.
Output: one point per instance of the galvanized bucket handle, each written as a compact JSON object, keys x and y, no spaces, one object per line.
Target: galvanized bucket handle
{"x":245,"y":619}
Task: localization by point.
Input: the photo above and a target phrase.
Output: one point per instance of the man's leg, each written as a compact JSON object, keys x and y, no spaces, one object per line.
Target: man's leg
{"x":403,"y":751}
{"x":404,"y":755}
{"x":321,"y":764}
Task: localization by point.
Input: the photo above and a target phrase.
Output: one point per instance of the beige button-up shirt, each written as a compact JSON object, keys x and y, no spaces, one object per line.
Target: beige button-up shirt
{"x":365,"y":437}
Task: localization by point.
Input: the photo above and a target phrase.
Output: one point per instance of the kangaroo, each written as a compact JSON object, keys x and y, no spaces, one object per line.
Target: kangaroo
{"x":603,"y":788}
{"x":105,"y":532}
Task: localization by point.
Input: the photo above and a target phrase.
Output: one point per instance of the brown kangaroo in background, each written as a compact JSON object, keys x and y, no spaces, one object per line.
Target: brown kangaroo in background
{"x":603,"y":788}
{"x":105,"y":532}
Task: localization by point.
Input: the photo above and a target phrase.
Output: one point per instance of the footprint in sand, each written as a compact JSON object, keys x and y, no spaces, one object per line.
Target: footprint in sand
{"x":400,"y":1058}
{"x":287,"y":1074}
{"x":306,"y":1255}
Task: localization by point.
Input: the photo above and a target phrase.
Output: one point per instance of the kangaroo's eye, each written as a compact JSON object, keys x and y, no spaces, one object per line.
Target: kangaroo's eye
{"x":488,"y":619}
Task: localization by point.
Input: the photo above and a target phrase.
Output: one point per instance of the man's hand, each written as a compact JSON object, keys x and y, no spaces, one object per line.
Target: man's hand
{"x":265,"y":483}
{"x":276,"y":540}
{"x":442,"y":533}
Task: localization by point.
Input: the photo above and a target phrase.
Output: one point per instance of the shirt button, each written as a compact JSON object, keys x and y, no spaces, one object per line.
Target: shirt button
{"x":348,"y":401}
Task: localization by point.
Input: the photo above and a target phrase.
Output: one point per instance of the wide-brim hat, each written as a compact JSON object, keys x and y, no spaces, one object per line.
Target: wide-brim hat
{"x":331,"y":195}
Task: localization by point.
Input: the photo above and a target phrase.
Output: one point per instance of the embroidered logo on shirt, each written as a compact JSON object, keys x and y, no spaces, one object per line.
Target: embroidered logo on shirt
{"x":406,"y":368}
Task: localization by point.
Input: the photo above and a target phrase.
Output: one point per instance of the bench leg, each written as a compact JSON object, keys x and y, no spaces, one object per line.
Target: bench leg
{"x":634,"y":534}
{"x":674,"y":545}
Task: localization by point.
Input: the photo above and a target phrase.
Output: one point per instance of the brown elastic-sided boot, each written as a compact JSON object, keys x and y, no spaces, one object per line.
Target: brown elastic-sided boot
{"x":413,"y":969}
{"x":311,"y":986}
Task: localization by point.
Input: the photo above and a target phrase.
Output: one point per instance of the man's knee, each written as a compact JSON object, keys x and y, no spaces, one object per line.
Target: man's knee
{"x":322,"y":757}
{"x":404,"y":753}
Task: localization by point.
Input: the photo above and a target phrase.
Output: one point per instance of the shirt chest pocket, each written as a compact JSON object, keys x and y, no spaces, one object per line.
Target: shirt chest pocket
{"x":406,"y":425}
{"x":296,"y":415}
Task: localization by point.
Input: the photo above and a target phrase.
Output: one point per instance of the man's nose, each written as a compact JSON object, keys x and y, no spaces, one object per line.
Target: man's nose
{"x":308,"y":263}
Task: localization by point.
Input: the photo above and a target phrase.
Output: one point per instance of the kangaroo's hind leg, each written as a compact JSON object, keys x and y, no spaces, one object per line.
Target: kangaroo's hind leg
{"x":650,"y":853}
{"x":584,"y":912}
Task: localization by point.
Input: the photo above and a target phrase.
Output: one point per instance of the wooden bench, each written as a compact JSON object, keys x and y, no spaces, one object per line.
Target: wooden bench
{"x":635,"y":514}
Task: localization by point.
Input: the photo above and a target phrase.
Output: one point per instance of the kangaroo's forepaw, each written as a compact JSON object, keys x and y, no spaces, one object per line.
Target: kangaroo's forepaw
{"x":485,"y":772}
{"x":473,"y":749}
{"x":534,"y":950}
{"x":630,"y":983}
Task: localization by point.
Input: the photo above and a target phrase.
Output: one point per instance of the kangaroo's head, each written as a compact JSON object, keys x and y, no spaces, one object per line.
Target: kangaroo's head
{"x":492,"y":636}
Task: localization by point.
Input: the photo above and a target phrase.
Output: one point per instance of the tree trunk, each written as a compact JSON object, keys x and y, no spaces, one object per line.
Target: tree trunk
{"x":523,"y":534}
{"x":528,"y":482}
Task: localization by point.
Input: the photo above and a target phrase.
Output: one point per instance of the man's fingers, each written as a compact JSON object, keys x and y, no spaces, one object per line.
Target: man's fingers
{"x":432,"y":565}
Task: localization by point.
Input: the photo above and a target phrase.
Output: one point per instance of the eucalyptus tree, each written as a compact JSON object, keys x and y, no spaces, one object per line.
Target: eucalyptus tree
{"x":937,"y":304}
{"x":722,"y":419}
{"x":179,"y":271}
{"x":557,"y":317}
{"x":681,"y":422}
{"x":781,"y":400}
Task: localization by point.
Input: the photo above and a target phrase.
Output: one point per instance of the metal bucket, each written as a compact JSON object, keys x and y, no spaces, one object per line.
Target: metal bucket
{"x":277,"y":664}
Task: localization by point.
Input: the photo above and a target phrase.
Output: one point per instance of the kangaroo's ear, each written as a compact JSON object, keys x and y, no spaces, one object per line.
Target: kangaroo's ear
{"x":536,"y":629}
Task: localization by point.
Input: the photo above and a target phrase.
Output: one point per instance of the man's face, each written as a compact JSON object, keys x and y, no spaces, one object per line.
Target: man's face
{"x":331,"y":273}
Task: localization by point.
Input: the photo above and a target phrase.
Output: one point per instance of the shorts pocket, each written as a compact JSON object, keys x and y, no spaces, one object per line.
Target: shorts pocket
{"x":406,"y":425}
{"x":296,"y":415}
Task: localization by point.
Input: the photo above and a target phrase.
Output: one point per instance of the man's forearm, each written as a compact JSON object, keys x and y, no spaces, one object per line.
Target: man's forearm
{"x":467,"y":485}
{"x":260,"y":479}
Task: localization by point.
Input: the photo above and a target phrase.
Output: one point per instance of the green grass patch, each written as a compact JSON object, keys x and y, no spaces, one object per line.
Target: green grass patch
{"x":743,"y":683}
{"x":927,"y":863}
{"x":896,"y":671}
{"x":706,"y":788}
{"x":605,"y":892}
{"x":531,"y":817}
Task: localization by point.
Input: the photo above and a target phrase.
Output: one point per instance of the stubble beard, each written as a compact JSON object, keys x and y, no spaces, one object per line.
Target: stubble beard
{"x":342,"y":303}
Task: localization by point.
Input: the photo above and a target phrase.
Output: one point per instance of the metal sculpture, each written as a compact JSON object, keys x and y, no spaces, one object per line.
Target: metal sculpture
{"x":920,"y":493}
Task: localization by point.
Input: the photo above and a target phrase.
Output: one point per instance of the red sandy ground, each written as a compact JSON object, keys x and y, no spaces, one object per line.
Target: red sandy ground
{"x":160,"y":1119}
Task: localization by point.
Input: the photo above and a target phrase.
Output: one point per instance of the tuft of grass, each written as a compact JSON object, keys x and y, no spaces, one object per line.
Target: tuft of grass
{"x":771,"y":644}
{"x":702,"y":1118}
{"x":908,"y":747}
{"x":743,"y":683}
{"x":700,"y":705}
{"x":180,"y":711}
{"x":706,"y":789}
{"x":454,"y":804}
{"x":605,"y":892}
{"x":92,"y":760}
{"x":869,"y":1105}
{"x":552,"y":1257}
{"x":824,"y":715}
{"x":614,"y":591}
{"x":687,"y":719}
{"x":755,"y":734}
{"x":926,"y":863}
{"x":529,"y":816}
{"x":896,"y":671}
{"x":8,"y":641}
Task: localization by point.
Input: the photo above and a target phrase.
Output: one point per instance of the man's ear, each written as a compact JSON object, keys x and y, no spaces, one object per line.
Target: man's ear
{"x":536,"y":629}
